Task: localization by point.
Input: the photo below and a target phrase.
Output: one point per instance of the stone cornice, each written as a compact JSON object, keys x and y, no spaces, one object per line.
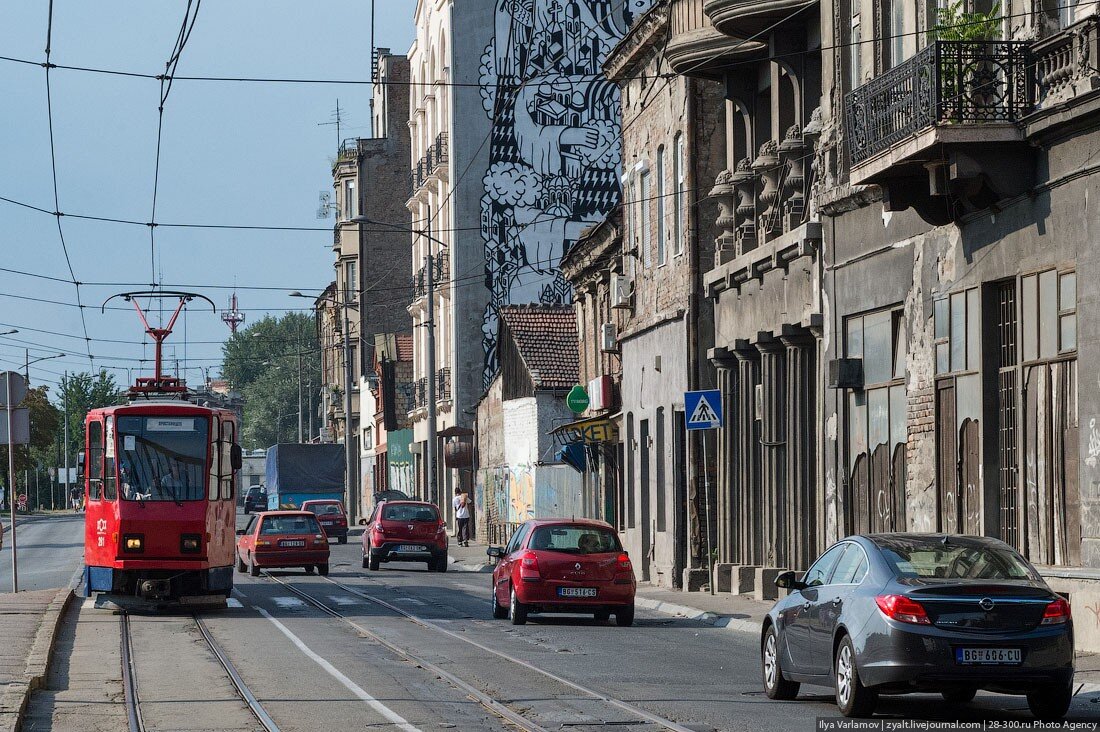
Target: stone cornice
{"x":633,"y":50}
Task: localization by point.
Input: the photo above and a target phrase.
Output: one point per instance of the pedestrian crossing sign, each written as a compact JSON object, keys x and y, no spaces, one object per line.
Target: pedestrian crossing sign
{"x":703,"y":409}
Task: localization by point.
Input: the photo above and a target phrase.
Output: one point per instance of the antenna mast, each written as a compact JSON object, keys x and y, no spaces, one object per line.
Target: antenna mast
{"x":233,"y":317}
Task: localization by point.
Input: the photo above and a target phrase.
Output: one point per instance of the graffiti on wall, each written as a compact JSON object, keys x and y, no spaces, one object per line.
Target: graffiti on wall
{"x":400,"y":461}
{"x":515,"y":494}
{"x":554,"y":156}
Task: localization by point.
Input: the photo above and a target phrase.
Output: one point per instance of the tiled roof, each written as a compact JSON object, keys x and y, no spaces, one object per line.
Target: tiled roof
{"x":546,"y":338}
{"x":404,"y":347}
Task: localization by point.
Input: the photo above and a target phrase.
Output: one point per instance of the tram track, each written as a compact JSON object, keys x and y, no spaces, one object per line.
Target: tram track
{"x":136,"y":723}
{"x":494,"y":705}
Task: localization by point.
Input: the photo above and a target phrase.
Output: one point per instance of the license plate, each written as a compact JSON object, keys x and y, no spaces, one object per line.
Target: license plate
{"x":576,"y":592}
{"x":291,"y":543}
{"x":988,"y":656}
{"x":411,"y":548}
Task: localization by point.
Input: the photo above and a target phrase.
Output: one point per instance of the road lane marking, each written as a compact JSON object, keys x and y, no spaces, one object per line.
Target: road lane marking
{"x":288,"y":602}
{"x":408,"y":600}
{"x":342,"y":600}
{"x":350,"y":685}
{"x":233,"y":602}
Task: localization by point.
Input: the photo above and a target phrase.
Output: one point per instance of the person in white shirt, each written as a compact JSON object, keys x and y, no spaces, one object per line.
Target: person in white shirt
{"x":461,"y":505}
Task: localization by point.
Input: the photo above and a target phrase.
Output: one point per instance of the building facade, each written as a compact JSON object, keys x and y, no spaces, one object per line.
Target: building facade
{"x":956,"y":260}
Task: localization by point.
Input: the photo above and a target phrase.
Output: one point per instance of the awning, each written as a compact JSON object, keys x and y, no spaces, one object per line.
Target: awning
{"x":592,"y":430}
{"x":455,"y":431}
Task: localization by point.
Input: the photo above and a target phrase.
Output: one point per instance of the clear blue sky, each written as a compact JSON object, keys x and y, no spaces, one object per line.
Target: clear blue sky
{"x":232,"y":153}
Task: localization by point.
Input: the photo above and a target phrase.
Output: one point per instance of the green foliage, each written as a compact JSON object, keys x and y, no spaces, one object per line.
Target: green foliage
{"x":46,"y":421}
{"x":81,"y":393}
{"x":955,"y":24}
{"x":261,"y":362}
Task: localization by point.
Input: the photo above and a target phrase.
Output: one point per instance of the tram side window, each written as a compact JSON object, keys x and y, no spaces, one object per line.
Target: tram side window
{"x":94,"y":465}
{"x":229,"y":436}
{"x":215,"y":458}
{"x":110,"y":479}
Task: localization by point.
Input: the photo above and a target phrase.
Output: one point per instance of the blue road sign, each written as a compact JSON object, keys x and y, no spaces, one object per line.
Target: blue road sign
{"x":703,"y":409}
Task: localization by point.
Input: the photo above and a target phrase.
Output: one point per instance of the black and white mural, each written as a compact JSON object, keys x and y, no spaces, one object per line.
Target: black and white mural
{"x":555,"y":153}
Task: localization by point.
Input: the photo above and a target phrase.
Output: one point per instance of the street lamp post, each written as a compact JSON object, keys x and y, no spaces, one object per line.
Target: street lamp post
{"x":429,"y":324}
{"x":27,"y":363}
{"x":349,"y":454}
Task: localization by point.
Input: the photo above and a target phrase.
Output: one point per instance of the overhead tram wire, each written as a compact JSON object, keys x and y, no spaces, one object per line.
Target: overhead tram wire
{"x":56,"y":197}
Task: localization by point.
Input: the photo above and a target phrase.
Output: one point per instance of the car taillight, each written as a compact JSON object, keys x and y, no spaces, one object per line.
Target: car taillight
{"x":902,"y":609}
{"x":380,"y":528}
{"x":624,"y":564}
{"x":529,"y":567}
{"x":1057,"y":612}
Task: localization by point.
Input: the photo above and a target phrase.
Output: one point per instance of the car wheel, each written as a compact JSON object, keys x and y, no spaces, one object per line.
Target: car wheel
{"x":366,"y":562}
{"x":775,"y":686}
{"x":499,"y":611}
{"x":1050,"y":703}
{"x":374,"y":562}
{"x":602,"y":616}
{"x":624,"y":616}
{"x":241,"y":566}
{"x":441,"y":564}
{"x":852,"y":697}
{"x":309,"y":568}
{"x":517,"y":611}
{"x":343,"y":540}
{"x":322,"y":569}
{"x":959,"y":696}
{"x":252,"y":568}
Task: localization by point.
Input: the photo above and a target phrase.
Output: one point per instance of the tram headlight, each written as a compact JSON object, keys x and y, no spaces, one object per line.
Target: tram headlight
{"x":133,"y":543}
{"x":190,"y":543}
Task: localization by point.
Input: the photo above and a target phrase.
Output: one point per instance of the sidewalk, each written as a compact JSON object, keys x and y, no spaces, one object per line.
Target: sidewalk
{"x":730,"y":612}
{"x":28,"y":625}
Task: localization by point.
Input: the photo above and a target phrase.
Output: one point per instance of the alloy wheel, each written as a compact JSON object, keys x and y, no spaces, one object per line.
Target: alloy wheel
{"x":771,"y":666}
{"x":844,"y":675}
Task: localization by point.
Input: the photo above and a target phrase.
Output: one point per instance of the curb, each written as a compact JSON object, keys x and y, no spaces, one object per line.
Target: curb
{"x":13,"y":702}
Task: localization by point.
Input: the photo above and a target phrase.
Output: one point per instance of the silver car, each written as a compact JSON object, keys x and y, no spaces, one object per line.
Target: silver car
{"x":899,"y":613}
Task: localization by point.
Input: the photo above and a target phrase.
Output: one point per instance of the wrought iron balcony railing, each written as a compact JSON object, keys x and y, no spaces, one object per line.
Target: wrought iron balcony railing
{"x":442,"y":268}
{"x":949,"y":82}
{"x":443,"y":385}
{"x":434,"y":158}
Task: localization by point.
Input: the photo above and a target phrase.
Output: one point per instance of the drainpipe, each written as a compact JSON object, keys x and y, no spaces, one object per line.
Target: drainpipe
{"x":693,"y":321}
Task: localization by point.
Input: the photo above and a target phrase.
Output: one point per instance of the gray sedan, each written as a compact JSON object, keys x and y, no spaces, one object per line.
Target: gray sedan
{"x":900,"y":613}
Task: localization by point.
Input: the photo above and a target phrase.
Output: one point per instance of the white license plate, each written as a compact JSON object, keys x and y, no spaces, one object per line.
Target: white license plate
{"x":576,"y":592}
{"x":292,"y":543}
{"x":411,"y":548}
{"x":989,"y":656}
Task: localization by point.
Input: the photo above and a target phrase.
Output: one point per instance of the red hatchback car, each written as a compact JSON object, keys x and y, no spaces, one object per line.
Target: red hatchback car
{"x":405,"y":531}
{"x":275,"y":539}
{"x":563,"y":566}
{"x":331,"y":515}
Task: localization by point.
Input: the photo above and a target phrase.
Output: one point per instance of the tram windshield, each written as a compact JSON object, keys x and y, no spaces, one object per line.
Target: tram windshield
{"x":162,"y":458}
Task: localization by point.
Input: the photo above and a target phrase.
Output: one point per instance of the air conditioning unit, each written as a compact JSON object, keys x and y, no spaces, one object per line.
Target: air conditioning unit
{"x":609,"y":338}
{"x":622,"y":291}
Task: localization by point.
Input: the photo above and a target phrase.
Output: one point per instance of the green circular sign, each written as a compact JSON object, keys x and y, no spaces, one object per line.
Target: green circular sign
{"x":577,"y":399}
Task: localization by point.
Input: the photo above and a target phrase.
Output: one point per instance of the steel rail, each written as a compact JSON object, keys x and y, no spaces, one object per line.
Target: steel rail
{"x":129,"y":683}
{"x":481,"y":697}
{"x":626,"y":706}
{"x":242,"y":688}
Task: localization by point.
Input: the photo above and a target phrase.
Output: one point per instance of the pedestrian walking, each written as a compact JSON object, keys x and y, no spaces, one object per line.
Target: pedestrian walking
{"x":462,"y":515}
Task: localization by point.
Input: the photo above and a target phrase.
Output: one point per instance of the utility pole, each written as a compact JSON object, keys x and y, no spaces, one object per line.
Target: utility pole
{"x":11,"y":480}
{"x":433,"y":486}
{"x":349,"y":453}
{"x":299,"y":342}
{"x":65,"y":395}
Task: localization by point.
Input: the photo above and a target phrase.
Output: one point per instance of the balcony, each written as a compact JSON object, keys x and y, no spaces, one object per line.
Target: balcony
{"x":696,"y":48}
{"x":943,"y":128}
{"x":348,"y":150}
{"x":442,"y":269}
{"x":432,"y":165}
{"x":746,"y":18}
{"x":418,"y":391}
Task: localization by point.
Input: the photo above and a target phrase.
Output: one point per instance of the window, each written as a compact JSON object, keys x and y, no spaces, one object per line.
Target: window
{"x":351,"y":281}
{"x":957,"y":320}
{"x":229,"y":436}
{"x":214,"y":478}
{"x":660,"y":469}
{"x":960,"y":559}
{"x":662,"y":233}
{"x":819,"y":573}
{"x":1049,"y":314}
{"x":517,"y":538}
{"x":678,"y":199}
{"x":295,"y":525}
{"x":644,"y":222}
{"x":577,"y":539}
{"x":163,"y":458}
{"x":895,"y":33}
{"x":855,"y":51}
{"x":350,"y":202}
{"x":110,"y":481}
{"x":94,"y":467}
{"x":851,"y":568}
{"x":409,"y":512}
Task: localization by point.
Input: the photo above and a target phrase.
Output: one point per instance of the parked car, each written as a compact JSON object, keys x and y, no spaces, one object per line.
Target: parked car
{"x":277,"y":539}
{"x":255,"y":499}
{"x":898,"y":613}
{"x":563,"y":566}
{"x":405,"y":531}
{"x":332,"y":517}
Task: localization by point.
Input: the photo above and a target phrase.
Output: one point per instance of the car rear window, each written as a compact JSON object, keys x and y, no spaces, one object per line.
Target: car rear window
{"x":409,"y":513}
{"x":290,"y":525}
{"x":932,"y":558}
{"x":324,"y":509}
{"x":575,"y":539}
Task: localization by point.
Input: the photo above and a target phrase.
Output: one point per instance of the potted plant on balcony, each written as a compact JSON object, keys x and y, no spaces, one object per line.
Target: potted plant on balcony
{"x":975,"y":76}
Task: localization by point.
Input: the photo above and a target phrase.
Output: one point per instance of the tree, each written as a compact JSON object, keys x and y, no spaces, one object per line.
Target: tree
{"x":81,"y":393}
{"x":46,"y":420}
{"x":261,"y":362}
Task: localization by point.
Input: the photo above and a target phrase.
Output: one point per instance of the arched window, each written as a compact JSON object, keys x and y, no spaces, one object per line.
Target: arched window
{"x":678,"y":177}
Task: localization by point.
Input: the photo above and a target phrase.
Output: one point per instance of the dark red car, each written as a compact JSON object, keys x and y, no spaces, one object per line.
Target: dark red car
{"x":405,"y":531}
{"x":276,"y":539}
{"x":331,"y":515}
{"x":563,"y":566}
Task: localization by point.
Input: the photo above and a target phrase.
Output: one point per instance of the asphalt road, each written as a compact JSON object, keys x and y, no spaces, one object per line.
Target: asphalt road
{"x":376,"y":668}
{"x":50,"y":550}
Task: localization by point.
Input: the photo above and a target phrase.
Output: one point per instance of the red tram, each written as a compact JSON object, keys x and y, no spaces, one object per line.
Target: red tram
{"x":160,"y":480}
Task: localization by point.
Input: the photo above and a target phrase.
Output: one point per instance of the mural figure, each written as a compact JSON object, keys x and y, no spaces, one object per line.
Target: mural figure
{"x":555,"y":155}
